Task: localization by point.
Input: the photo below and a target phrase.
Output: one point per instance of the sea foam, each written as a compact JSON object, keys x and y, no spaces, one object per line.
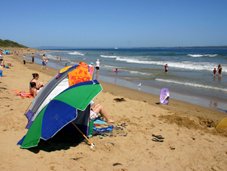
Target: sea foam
{"x":76,"y":53}
{"x":189,"y":65}
{"x":191,"y":84}
{"x":108,"y":56}
{"x":202,"y":55}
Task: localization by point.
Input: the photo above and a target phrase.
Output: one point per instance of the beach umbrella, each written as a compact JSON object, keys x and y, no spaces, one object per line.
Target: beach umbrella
{"x":60,"y":111}
{"x":164,"y":96}
{"x":55,"y":86}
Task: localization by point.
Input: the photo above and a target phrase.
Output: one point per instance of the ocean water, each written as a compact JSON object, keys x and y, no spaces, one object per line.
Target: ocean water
{"x":189,"y":78}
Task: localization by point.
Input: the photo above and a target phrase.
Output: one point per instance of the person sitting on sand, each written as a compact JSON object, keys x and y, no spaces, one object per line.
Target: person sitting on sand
{"x":33,"y":89}
{"x":35,"y":80}
{"x":97,"y":110}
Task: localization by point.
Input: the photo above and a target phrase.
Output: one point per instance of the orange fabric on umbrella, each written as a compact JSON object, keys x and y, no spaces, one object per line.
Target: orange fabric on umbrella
{"x":80,"y":74}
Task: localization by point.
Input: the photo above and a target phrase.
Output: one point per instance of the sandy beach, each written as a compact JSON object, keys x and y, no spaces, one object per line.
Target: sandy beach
{"x":191,"y":141}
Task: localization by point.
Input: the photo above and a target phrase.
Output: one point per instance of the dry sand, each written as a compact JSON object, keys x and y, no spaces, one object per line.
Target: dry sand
{"x":191,"y":141}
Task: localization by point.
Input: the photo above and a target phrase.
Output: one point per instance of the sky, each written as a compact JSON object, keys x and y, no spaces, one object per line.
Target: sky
{"x":114,"y":23}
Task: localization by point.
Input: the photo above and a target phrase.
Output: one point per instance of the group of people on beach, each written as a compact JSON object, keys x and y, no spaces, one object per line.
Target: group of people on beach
{"x":2,"y":62}
{"x":217,"y":71}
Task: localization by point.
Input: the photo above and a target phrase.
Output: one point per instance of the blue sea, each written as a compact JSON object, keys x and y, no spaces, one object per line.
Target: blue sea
{"x":189,"y":77}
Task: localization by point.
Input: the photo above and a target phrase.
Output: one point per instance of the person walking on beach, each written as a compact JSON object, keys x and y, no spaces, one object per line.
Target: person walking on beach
{"x":166,"y":67}
{"x":97,"y":67}
{"x":33,"y":58}
{"x":44,"y":61}
{"x":58,"y":58}
{"x":24,"y":59}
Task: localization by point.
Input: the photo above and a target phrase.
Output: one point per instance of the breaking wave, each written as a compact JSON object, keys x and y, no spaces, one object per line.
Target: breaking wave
{"x":108,"y":56}
{"x":138,"y":72}
{"x":202,"y":55}
{"x":192,"y":84}
{"x":76,"y":53}
{"x":181,"y":65}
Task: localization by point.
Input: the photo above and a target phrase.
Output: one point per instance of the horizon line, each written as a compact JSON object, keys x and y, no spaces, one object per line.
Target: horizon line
{"x":125,"y":47}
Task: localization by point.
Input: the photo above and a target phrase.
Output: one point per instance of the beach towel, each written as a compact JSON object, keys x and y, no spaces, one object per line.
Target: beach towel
{"x":101,"y":127}
{"x":23,"y":94}
{"x":101,"y":130}
{"x":98,"y":122}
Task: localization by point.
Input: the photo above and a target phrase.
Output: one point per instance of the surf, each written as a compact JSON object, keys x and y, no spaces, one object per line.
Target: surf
{"x":202,"y":55}
{"x":76,"y":53}
{"x":191,"y":84}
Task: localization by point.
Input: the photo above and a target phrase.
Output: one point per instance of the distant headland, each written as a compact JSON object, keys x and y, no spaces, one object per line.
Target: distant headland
{"x":10,"y":43}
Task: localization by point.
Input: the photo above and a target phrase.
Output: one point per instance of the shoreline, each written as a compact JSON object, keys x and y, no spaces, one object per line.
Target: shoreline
{"x":187,"y":94}
{"x":150,"y":98}
{"x":191,"y":141}
{"x":215,"y":104}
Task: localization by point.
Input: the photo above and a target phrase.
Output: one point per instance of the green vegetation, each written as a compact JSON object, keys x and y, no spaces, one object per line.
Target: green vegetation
{"x":9,"y":43}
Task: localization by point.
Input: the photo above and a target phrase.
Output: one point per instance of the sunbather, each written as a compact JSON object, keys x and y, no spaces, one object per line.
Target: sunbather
{"x":35,"y":85}
{"x":97,"y":110}
{"x":33,"y":89}
{"x":35,"y":80}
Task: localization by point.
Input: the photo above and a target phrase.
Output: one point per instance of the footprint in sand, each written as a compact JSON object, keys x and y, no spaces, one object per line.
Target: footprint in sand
{"x":116,"y":164}
{"x":51,"y":167}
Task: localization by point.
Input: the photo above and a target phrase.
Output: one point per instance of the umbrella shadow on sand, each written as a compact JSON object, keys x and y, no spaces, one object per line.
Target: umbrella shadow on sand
{"x":66,"y":138}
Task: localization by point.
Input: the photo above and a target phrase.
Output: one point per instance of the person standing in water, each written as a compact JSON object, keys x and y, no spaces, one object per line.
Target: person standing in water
{"x":214,"y":71}
{"x":166,"y":67}
{"x":97,"y":67}
{"x":33,"y":57}
{"x":219,"y":70}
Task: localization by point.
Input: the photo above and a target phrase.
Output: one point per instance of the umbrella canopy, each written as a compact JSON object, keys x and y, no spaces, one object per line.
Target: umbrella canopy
{"x":60,"y":111}
{"x":54,"y":87}
{"x":164,"y":96}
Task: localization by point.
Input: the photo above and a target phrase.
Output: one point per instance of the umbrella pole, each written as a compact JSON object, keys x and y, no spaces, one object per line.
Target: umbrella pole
{"x":91,"y":144}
